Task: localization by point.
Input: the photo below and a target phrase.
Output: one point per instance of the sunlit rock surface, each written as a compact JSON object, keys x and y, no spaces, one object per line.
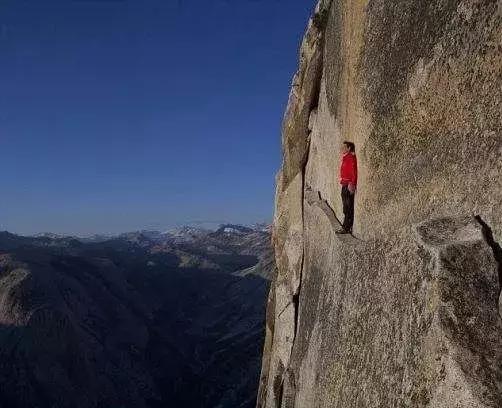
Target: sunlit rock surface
{"x":406,"y":313}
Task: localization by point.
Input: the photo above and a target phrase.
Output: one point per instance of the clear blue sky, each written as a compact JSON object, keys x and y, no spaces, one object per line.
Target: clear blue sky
{"x":123,"y":115}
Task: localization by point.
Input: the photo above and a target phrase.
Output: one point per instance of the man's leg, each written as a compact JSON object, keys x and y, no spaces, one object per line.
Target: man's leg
{"x":346,"y":208}
{"x":350,"y":214}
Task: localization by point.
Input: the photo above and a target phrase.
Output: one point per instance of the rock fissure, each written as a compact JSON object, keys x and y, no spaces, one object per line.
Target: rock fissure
{"x":296,"y":296}
{"x":296,"y":305}
{"x":494,"y":245}
{"x":284,"y":308}
{"x":281,"y":394}
{"x":497,"y":254}
{"x":278,"y":387}
{"x":466,"y":290}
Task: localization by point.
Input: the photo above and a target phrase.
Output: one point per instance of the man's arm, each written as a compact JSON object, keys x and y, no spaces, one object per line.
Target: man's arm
{"x":353,"y":181}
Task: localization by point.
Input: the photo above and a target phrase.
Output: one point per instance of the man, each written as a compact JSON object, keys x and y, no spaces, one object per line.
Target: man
{"x":348,"y":180}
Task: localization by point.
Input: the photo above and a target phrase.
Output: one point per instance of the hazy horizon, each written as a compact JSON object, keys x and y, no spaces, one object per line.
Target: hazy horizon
{"x":119,"y":116}
{"x":203,"y":224}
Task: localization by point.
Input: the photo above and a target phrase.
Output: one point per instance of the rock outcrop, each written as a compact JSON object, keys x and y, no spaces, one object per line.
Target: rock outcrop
{"x":406,"y":313}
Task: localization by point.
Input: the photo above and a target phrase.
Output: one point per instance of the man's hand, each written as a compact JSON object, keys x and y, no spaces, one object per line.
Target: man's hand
{"x":352,"y":188}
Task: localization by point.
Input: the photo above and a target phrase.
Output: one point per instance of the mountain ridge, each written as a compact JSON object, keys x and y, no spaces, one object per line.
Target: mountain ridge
{"x":128,"y":322}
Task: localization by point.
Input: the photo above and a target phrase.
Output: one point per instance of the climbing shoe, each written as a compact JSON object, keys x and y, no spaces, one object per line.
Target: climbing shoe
{"x":342,"y":231}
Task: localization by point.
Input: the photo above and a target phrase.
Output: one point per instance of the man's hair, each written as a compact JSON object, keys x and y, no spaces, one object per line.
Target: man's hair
{"x":350,"y":145}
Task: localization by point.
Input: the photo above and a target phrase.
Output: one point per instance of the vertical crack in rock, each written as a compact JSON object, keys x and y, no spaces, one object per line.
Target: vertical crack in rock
{"x":278,"y":386}
{"x":296,"y":295}
{"x":288,"y":375}
{"x":267,"y":346}
{"x":468,"y":290}
{"x":304,"y":96}
{"x":311,"y":84}
{"x":296,"y":305}
{"x":497,"y":254}
{"x":319,"y":22}
{"x":316,"y":87}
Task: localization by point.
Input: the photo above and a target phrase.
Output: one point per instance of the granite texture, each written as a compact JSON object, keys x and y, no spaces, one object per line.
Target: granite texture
{"x":405,"y":313}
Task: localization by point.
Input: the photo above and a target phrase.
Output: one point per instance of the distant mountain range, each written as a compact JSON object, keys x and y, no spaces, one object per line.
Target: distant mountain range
{"x":143,"y":319}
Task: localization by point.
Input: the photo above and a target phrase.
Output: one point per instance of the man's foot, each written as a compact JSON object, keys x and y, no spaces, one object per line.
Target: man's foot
{"x":342,"y":231}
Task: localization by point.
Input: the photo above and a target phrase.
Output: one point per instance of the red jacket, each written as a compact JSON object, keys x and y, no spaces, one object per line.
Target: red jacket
{"x":348,"y":169}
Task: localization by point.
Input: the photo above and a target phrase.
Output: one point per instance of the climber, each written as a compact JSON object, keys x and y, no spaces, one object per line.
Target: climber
{"x":348,"y":180}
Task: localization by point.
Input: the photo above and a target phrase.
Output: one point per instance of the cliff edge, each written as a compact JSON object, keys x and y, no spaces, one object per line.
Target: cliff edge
{"x":406,"y":314}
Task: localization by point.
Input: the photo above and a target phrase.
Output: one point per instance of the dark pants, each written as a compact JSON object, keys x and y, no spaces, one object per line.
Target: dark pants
{"x":348,"y":208}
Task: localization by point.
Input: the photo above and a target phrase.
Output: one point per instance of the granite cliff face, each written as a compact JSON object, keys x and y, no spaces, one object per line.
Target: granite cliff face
{"x":406,"y":314}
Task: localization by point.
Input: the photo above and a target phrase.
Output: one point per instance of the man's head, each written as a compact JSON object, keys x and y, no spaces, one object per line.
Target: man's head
{"x":348,"y":147}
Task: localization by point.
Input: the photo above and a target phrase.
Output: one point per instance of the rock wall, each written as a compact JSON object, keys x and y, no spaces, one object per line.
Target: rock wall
{"x":404,"y":314}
